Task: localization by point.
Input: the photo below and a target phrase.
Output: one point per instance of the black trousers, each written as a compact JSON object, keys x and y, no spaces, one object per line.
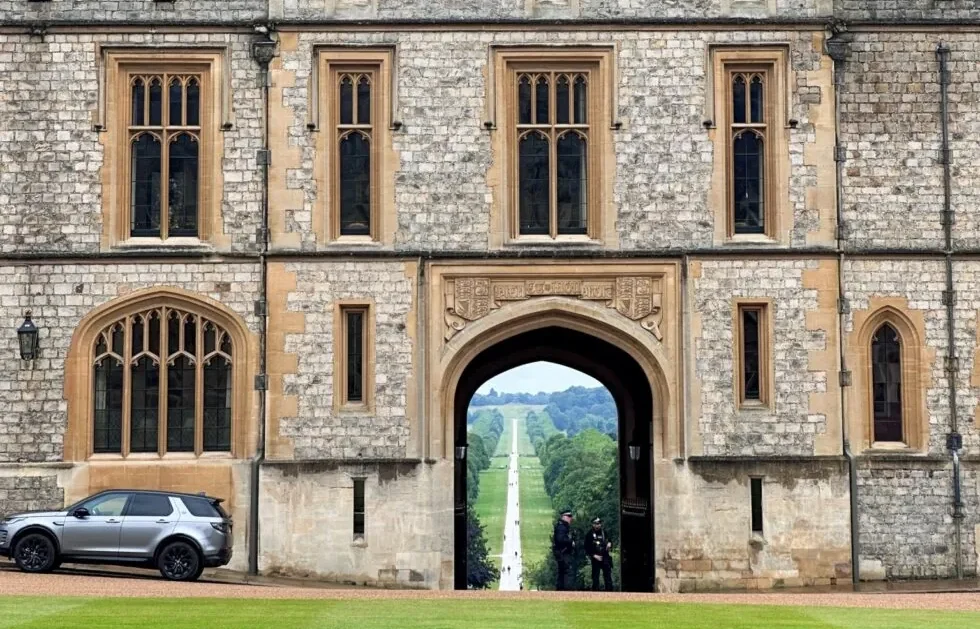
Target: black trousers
{"x":561,"y":585}
{"x":606,"y":567}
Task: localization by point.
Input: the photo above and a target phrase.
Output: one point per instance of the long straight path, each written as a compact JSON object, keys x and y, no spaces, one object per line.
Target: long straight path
{"x":512,"y":564}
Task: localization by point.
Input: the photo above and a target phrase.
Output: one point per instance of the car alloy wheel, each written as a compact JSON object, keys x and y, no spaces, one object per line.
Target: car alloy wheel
{"x":179,"y":562}
{"x":35,"y":553}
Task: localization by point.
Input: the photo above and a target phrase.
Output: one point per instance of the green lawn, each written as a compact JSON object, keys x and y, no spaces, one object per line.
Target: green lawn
{"x":536,"y":509}
{"x":120,"y":613}
{"x":491,"y":505}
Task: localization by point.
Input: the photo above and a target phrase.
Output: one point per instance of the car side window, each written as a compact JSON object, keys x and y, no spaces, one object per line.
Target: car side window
{"x":107,"y":505}
{"x":150,"y":505}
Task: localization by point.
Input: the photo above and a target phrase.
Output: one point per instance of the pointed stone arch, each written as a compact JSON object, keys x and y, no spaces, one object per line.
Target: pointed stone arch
{"x":917,"y":362}
{"x":79,"y":372}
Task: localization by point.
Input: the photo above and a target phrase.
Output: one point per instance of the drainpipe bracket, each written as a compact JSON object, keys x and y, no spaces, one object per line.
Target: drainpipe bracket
{"x":954,"y":442}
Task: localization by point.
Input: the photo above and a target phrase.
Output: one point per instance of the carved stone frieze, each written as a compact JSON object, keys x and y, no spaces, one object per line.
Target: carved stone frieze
{"x":636,"y":297}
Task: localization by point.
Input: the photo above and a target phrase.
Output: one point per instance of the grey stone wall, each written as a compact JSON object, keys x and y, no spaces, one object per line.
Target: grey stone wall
{"x":319,"y":431}
{"x":787,"y":427}
{"x":921,"y":283}
{"x":906,"y":10}
{"x":32,"y":401}
{"x":563,"y":9}
{"x":29,"y":493}
{"x":966,"y":275}
{"x":51,"y":157}
{"x":132,"y":10}
{"x":663,"y":153}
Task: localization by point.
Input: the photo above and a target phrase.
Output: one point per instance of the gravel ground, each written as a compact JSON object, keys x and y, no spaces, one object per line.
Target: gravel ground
{"x":61,"y":584}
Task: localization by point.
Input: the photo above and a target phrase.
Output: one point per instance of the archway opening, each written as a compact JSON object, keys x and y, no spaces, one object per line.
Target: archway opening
{"x":630,"y":388}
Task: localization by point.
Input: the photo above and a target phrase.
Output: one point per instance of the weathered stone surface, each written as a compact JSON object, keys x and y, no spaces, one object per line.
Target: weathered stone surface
{"x":906,"y":10}
{"x":32,"y":492}
{"x":133,"y":10}
{"x":32,"y":404}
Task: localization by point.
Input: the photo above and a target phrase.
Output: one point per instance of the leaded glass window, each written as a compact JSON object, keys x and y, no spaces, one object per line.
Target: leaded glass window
{"x":354,"y":320}
{"x":886,"y":376}
{"x":162,"y":383}
{"x":355,"y":134}
{"x":748,"y":129}
{"x":164,"y":149}
{"x":553,"y":133}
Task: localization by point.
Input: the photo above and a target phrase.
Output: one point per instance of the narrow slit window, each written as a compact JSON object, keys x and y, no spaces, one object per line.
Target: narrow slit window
{"x":358,"y":508}
{"x":748,"y":134}
{"x":886,"y":372}
{"x":354,"y":322}
{"x":756,"y":505}
{"x":752,"y":354}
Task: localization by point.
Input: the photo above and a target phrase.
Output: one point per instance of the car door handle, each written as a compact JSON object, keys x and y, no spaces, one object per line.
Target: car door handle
{"x":163,"y":521}
{"x":112,"y":521}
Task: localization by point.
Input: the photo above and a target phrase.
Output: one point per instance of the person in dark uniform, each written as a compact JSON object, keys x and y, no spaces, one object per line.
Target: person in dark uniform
{"x":562,"y":547}
{"x":598,"y":548}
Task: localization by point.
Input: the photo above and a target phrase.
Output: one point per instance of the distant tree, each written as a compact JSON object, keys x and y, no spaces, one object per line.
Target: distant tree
{"x":480,"y":572}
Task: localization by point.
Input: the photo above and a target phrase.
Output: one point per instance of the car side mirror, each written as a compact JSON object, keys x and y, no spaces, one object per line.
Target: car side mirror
{"x":80,"y":512}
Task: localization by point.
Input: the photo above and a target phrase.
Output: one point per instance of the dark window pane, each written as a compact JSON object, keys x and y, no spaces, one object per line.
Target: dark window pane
{"x":359,"y":507}
{"x":183,"y":187}
{"x":173,"y":332}
{"x":100,"y":346}
{"x":176,"y":102}
{"x":145,"y":201}
{"x":755,"y":95}
{"x":750,"y":355}
{"x":210,"y":338}
{"x":886,"y":369}
{"x":107,"y":436}
{"x":156,"y":102}
{"x":542,"y":90}
{"x":217,"y":406}
{"x":118,"y":339}
{"x":136,"y":335}
{"x":346,"y":100}
{"x":180,"y":406}
{"x":355,"y":356}
{"x":144,"y":405}
{"x":581,"y":101}
{"x":149,"y":505}
{"x":563,"y":94}
{"x":202,"y":507}
{"x":572,"y":184}
{"x":355,"y":185}
{"x":748,"y":184}
{"x":364,"y":100}
{"x":756,"y":505}
{"x":190,"y":334}
{"x":524,"y":99}
{"x":738,"y":100}
{"x":139,"y":102}
{"x":193,"y":103}
{"x":535,"y":186}
{"x":154,"y":336}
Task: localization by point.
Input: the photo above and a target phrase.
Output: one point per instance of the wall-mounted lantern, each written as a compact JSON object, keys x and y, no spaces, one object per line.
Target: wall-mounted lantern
{"x":635,"y":451}
{"x":460,"y":452}
{"x":27,"y":335}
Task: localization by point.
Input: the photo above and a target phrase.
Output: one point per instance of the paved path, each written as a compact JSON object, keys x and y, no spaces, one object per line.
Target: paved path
{"x":511,"y":564}
{"x":64,"y":583}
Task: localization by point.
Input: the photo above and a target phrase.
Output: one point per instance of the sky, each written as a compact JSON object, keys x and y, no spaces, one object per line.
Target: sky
{"x":539,"y":376}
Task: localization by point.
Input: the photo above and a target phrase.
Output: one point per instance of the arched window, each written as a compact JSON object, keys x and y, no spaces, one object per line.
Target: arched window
{"x":162,"y":382}
{"x":355,"y":135}
{"x":886,"y":381}
{"x":749,"y":128}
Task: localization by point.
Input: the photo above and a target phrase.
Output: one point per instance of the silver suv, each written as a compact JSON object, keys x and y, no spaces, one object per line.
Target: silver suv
{"x":179,"y":534}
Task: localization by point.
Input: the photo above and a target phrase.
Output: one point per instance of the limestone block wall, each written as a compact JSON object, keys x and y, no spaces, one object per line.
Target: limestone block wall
{"x":704,"y":524}
{"x":966,"y":276}
{"x":309,"y":294}
{"x":920,"y":283}
{"x":906,"y":10}
{"x":51,"y":157}
{"x":30,"y":492}
{"x":529,"y":9}
{"x":442,"y":155}
{"x":307,"y":524}
{"x":890,"y":129}
{"x":803,"y":418}
{"x":32,"y":401}
{"x":132,"y":10}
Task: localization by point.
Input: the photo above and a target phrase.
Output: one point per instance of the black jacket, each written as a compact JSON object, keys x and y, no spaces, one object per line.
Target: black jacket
{"x":561,"y":542}
{"x":595,"y":543}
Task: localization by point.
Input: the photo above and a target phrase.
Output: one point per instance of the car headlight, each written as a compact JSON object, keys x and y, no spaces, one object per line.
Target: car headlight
{"x":10,"y":521}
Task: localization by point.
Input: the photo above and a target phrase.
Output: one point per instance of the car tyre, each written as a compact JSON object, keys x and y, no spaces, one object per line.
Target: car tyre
{"x":35,"y":552}
{"x":179,"y":561}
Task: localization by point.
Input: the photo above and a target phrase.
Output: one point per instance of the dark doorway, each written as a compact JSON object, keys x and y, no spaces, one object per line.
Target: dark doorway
{"x":631,"y":389}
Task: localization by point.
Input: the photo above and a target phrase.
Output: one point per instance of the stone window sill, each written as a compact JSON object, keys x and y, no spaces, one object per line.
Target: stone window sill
{"x":354,"y":241}
{"x":359,"y":542}
{"x":170,"y":244}
{"x":548,"y":241}
{"x":750,"y":239}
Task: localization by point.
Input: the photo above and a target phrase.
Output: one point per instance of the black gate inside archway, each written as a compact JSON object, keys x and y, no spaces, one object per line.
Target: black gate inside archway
{"x":630,"y":388}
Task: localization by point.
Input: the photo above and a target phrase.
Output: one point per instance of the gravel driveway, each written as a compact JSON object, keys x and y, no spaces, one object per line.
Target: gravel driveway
{"x":13,"y":582}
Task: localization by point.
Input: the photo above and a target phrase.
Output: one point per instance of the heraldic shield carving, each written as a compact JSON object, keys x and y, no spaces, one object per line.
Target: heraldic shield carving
{"x":638,"y":298}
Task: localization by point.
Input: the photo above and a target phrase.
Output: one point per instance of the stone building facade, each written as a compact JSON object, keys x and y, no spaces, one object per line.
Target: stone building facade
{"x":869,"y":125}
